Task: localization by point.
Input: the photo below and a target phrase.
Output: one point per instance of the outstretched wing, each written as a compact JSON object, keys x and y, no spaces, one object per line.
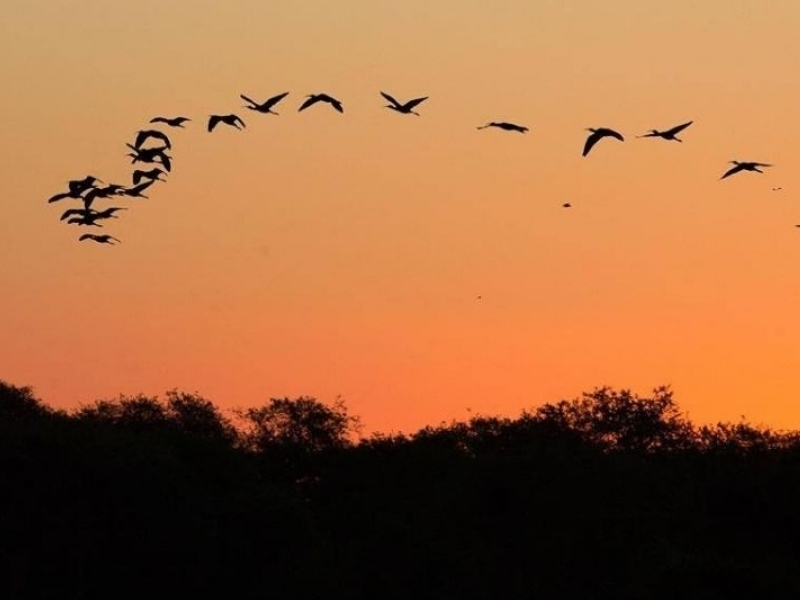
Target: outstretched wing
{"x":275,"y":99}
{"x":73,"y":211}
{"x":614,"y":134}
{"x":212,"y":122}
{"x":732,"y":171}
{"x":678,"y":128}
{"x":143,"y":136}
{"x":309,"y":101}
{"x":416,"y":101}
{"x":236,"y":119}
{"x":591,"y":141}
{"x":251,"y":101}
{"x":390,"y":99}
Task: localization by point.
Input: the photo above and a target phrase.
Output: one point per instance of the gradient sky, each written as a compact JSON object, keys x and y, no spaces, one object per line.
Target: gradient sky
{"x":325,"y":254}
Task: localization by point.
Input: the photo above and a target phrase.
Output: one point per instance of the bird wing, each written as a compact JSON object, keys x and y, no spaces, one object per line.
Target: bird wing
{"x":390,"y":99}
{"x":159,"y":120}
{"x":73,"y":211}
{"x":87,"y":236}
{"x":337,"y":105}
{"x":614,"y":134}
{"x":212,"y":122}
{"x":58,"y":197}
{"x":166,"y":162}
{"x":591,"y":141}
{"x":309,"y":101}
{"x":237,"y":119}
{"x":246,"y":99}
{"x":412,"y":103}
{"x":275,"y":99}
{"x":678,"y":128}
{"x":732,"y":170}
{"x":137,"y":176}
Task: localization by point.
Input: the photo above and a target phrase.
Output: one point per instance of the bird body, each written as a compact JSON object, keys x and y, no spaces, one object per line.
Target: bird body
{"x":266,"y":106}
{"x":232,"y":120}
{"x":151,"y":155}
{"x":505,"y":126}
{"x":154,"y":174}
{"x":171,"y":122}
{"x":744,"y":166}
{"x":668,"y":134}
{"x":136,"y":191}
{"x":314,"y":98}
{"x":598,"y":134}
{"x":403,"y":108}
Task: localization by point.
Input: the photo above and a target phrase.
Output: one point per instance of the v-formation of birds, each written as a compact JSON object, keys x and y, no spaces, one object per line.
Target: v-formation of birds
{"x":87,"y":189}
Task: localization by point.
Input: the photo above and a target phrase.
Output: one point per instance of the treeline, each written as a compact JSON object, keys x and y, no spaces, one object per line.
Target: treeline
{"x":610,"y":495}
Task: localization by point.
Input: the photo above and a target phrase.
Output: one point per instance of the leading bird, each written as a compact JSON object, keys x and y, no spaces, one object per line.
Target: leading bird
{"x":406,"y":108}
{"x":669,"y":134}
{"x":744,"y":166}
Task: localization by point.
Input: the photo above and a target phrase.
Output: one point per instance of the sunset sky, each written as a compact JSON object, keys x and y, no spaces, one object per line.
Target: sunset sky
{"x":328,"y":254}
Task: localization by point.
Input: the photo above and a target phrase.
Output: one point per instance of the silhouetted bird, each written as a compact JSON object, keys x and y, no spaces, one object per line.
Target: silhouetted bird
{"x":505,"y":126}
{"x":776,"y":189}
{"x":314,"y":98}
{"x":744,"y":166}
{"x":103,"y":192}
{"x":89,"y":216}
{"x":84,"y":184}
{"x":407,"y":108}
{"x":266,"y":106}
{"x":171,"y":122}
{"x":151,"y":155}
{"x":232,"y":120}
{"x":567,"y":205}
{"x":669,"y":134}
{"x":100,"y":239}
{"x":136,"y":191}
{"x":144,"y":135}
{"x":154,"y":174}
{"x":598,"y":134}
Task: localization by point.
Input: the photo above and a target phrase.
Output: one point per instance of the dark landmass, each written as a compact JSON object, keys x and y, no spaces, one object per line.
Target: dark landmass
{"x":610,"y":495}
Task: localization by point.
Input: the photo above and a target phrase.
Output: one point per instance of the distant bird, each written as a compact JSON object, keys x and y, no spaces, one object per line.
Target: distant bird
{"x":83,"y":216}
{"x":669,"y":134}
{"x":776,"y":189}
{"x":151,"y":155}
{"x":136,"y":191}
{"x":314,"y":98}
{"x":154,"y":174}
{"x":232,"y":120}
{"x":144,"y":135}
{"x":744,"y":166}
{"x":112,"y":189}
{"x":266,"y":106}
{"x":171,"y":122}
{"x":407,"y":108}
{"x":598,"y":134}
{"x":84,"y":184}
{"x":566,"y":205}
{"x":505,"y":126}
{"x":100,"y":239}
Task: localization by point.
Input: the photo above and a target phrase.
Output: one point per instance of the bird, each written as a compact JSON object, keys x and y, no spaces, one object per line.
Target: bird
{"x":598,"y":134}
{"x":171,"y":122}
{"x":112,"y":189}
{"x":314,"y":98}
{"x":775,"y":189}
{"x":566,"y":205}
{"x":407,"y":108}
{"x":83,"y":184}
{"x":505,"y":126}
{"x":232,"y":120}
{"x":144,"y":135}
{"x":100,"y":239}
{"x":89,"y":216}
{"x":668,"y":134}
{"x":266,"y":106}
{"x":151,"y":155}
{"x":744,"y":166}
{"x":154,"y":174}
{"x":136,"y":191}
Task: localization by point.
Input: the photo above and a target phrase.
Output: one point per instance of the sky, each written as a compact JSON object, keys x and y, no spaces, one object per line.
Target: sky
{"x":328,"y":254}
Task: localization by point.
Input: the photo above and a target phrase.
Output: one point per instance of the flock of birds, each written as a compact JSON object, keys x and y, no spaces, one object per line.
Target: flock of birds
{"x":88,"y":190}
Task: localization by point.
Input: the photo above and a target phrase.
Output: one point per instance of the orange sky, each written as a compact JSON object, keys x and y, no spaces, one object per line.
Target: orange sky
{"x":326,"y":254}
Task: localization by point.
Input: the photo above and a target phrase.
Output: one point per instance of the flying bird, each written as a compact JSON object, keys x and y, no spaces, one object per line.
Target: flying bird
{"x":314,"y":98}
{"x":566,"y":205}
{"x":668,"y":134}
{"x":81,"y":216}
{"x":505,"y":126}
{"x":100,"y":239}
{"x":136,"y":191}
{"x":151,"y":155}
{"x":112,"y":189}
{"x":144,"y":135}
{"x":171,"y":122}
{"x":154,"y":174}
{"x":407,"y":108}
{"x":232,"y":120}
{"x":266,"y":106}
{"x":598,"y":134}
{"x":744,"y":166}
{"x":81,"y":185}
